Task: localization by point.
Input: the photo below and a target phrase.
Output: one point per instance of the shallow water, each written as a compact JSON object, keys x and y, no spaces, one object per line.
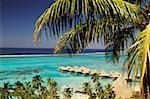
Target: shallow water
{"x":23,"y":68}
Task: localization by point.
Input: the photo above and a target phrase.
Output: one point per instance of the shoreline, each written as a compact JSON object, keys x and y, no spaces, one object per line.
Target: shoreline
{"x":34,"y":55}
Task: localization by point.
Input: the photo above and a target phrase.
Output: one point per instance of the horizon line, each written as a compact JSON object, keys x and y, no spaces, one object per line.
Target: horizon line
{"x":46,"y":48}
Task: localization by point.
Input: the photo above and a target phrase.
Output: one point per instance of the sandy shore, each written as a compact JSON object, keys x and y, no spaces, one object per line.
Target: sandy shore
{"x":77,"y":96}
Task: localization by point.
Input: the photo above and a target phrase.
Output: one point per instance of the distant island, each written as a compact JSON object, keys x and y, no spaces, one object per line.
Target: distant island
{"x":30,"y":51}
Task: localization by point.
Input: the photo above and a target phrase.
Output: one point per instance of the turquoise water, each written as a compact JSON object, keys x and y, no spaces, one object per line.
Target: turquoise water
{"x":23,"y":68}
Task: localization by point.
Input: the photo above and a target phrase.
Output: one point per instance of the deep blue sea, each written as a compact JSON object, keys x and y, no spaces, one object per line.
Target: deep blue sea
{"x":23,"y":68}
{"x":31,"y":51}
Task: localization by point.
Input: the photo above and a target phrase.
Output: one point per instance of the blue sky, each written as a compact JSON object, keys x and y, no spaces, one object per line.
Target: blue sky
{"x":18,"y":19}
{"x":17,"y":23}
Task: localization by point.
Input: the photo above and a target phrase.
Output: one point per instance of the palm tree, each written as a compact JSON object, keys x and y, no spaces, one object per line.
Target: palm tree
{"x":114,"y":22}
{"x":67,"y":93}
{"x":138,"y":60}
{"x":95,"y":77}
{"x":19,"y":90}
{"x":50,"y":82}
{"x":88,"y":90}
{"x":99,"y":90}
{"x":53,"y":88}
{"x":109,"y":93}
{"x":43,"y":93}
{"x":5,"y":91}
{"x":29,"y":92}
{"x":37,"y":82}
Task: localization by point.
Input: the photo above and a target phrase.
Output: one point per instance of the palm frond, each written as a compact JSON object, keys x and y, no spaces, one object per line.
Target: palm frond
{"x":138,"y":60}
{"x":115,"y":36}
{"x":63,"y":15}
{"x":74,"y":40}
{"x":120,"y":41}
{"x":138,"y":2}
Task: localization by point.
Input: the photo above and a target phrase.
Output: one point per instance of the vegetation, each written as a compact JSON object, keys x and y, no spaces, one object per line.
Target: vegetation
{"x":5,"y":91}
{"x":50,"y":90}
{"x":28,"y":90}
{"x":117,"y":23}
{"x":98,"y":91}
{"x":67,"y":93}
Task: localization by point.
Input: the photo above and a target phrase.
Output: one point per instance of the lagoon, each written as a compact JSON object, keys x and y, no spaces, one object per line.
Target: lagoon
{"x":23,"y":68}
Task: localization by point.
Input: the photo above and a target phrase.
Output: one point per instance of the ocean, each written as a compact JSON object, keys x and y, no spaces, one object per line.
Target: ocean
{"x":31,"y":51}
{"x":23,"y":67}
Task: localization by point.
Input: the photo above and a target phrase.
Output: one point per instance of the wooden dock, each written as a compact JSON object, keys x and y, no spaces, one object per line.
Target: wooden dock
{"x":86,"y":71}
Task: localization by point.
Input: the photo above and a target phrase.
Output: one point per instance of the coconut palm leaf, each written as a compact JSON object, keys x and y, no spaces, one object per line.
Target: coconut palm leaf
{"x":119,"y":41}
{"x":37,"y":82}
{"x":5,"y":91}
{"x":67,"y":93}
{"x":63,"y":15}
{"x":138,"y":60}
{"x":87,"y":89}
{"x":115,"y":36}
{"x":138,"y":2}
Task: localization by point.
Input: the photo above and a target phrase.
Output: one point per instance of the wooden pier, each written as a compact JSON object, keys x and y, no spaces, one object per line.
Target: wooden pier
{"x":86,"y":71}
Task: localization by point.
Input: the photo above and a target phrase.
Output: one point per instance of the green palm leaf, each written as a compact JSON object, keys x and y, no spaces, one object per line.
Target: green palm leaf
{"x":115,"y":36}
{"x":64,"y":15}
{"x":138,"y":59}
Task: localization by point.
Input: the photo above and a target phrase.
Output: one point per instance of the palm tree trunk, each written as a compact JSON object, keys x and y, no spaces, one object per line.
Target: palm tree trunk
{"x":146,"y":82}
{"x":148,"y":76}
{"x":143,"y":91}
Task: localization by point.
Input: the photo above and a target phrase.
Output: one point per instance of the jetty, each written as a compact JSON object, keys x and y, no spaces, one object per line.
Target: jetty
{"x":87,"y":71}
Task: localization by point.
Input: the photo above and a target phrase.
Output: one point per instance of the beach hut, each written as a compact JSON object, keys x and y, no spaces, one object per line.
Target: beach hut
{"x":93,"y":72}
{"x":68,"y":67}
{"x":86,"y":71}
{"x":105,"y":75}
{"x":71,"y":69}
{"x":83,"y":67}
{"x":114,"y":74}
{"x":76,"y":67}
{"x":62,"y":68}
{"x":77,"y":70}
